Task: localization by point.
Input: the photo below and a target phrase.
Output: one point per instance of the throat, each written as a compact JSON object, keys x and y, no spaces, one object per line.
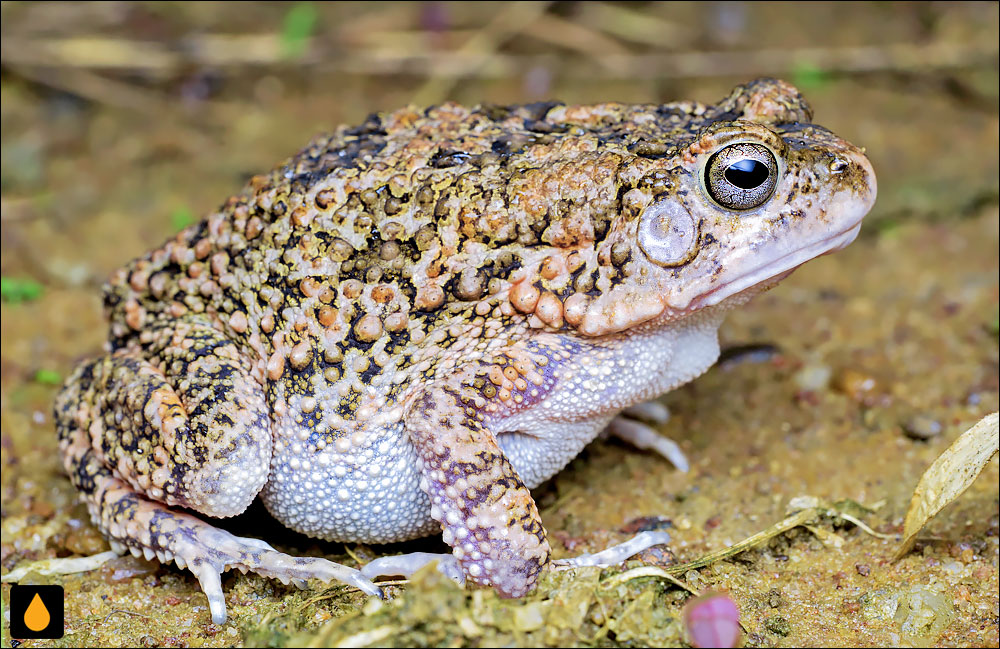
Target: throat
{"x":666,"y":357}
{"x":602,"y":377}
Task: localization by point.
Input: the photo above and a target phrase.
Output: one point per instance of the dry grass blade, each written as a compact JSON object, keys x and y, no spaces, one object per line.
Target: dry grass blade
{"x":781,"y":527}
{"x":578,"y":38}
{"x":59,"y":566}
{"x":808,"y":509}
{"x":647,"y":571}
{"x":949,"y":476}
{"x":635,"y":26}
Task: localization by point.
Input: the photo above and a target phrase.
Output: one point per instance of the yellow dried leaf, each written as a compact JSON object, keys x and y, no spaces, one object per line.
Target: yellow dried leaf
{"x":949,"y":476}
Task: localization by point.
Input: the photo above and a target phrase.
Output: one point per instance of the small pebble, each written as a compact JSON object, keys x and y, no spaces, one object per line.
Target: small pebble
{"x":953,"y":567}
{"x":856,"y":384}
{"x":42,"y":508}
{"x":85,"y":540}
{"x":921,"y":427}
{"x":813,"y":377}
{"x":646,"y":524}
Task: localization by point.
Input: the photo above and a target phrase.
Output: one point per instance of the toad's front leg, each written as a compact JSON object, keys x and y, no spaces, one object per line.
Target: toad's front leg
{"x":486,"y":513}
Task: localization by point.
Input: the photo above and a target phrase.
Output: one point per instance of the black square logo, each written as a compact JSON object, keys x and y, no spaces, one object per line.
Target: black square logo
{"x":36,"y":612}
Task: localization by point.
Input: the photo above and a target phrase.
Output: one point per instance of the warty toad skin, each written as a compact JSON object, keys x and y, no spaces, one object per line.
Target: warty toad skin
{"x":406,"y":326}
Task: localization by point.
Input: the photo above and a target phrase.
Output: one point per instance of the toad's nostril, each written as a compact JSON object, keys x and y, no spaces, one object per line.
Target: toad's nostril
{"x":838,"y":165}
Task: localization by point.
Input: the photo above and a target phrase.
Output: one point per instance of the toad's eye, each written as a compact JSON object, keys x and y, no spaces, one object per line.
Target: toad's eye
{"x":741,"y":176}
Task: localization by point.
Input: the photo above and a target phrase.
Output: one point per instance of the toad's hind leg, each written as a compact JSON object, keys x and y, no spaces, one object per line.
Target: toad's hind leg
{"x":181,"y":420}
{"x":136,"y":439}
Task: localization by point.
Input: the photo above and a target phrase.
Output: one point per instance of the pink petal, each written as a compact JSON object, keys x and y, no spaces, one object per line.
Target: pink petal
{"x":712,"y":621}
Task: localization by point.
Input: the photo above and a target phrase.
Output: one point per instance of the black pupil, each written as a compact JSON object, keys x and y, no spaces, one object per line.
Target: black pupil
{"x":747,"y":173}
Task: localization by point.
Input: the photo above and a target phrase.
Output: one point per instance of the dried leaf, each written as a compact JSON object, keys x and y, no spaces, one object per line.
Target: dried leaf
{"x":950,"y":475}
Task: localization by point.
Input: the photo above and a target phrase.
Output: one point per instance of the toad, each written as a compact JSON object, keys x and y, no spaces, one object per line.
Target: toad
{"x":410,"y":323}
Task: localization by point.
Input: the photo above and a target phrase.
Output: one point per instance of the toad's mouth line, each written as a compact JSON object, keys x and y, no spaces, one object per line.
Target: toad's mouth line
{"x":776,"y":269}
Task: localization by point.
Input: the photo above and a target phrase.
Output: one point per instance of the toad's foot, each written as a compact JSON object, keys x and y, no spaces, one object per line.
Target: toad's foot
{"x":217,"y":551}
{"x":616,"y":553}
{"x":205,"y":550}
{"x":406,"y":564}
{"x":152,"y":529}
{"x":642,"y":436}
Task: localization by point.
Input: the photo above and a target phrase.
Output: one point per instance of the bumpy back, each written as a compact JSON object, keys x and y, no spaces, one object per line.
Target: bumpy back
{"x":382,"y":233}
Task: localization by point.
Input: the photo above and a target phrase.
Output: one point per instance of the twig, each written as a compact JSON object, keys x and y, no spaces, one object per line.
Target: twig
{"x":578,"y":38}
{"x":778,"y":528}
{"x":116,"y":611}
{"x":93,"y":87}
{"x":635,"y":26}
{"x":648,"y":571}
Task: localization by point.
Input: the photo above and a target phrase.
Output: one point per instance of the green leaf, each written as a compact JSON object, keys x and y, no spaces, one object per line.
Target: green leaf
{"x":48,"y":377}
{"x":181,"y":218}
{"x":300,"y":23}
{"x":15,"y":289}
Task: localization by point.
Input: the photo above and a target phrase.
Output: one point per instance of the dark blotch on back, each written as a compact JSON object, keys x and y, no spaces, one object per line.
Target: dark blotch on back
{"x":448,"y":158}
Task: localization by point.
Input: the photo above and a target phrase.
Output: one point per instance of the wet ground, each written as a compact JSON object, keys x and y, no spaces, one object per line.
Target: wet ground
{"x":845,"y":382}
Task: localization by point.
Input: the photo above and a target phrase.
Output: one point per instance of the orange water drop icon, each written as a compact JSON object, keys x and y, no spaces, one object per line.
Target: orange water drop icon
{"x":37,"y":616}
